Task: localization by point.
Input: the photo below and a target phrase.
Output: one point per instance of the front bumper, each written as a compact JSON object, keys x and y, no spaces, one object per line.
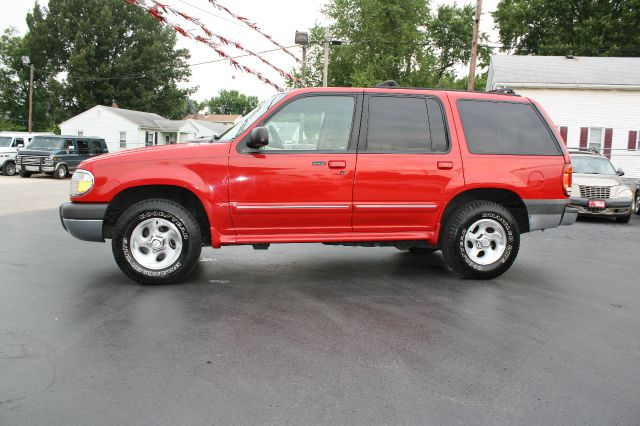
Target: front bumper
{"x":83,"y":221}
{"x":613,"y":207}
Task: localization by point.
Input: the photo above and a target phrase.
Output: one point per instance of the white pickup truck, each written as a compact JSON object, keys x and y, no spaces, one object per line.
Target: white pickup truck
{"x":10,"y":142}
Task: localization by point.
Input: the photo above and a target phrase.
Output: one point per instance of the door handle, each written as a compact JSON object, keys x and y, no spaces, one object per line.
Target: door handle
{"x":445,"y":165}
{"x":337,"y":164}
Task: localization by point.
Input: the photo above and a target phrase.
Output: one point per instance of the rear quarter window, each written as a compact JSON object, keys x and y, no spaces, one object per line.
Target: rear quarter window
{"x":494,"y":127}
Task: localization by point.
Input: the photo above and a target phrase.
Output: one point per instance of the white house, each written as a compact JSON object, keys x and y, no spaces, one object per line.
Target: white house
{"x":123,"y":128}
{"x":595,"y":102}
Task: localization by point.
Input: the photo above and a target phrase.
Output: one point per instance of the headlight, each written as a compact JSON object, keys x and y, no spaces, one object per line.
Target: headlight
{"x":48,"y":161}
{"x":18,"y":159}
{"x":81,"y":183}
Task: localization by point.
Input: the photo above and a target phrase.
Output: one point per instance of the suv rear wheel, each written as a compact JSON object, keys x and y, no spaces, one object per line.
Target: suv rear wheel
{"x":156,"y":242}
{"x":481,"y":240}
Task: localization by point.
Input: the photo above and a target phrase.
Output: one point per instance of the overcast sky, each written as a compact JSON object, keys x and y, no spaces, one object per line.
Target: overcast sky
{"x":278,"y":18}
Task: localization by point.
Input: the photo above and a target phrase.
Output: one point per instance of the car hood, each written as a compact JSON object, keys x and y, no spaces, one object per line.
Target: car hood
{"x":39,"y":152}
{"x":596,"y":180}
{"x":158,"y":153}
{"x":5,"y":150}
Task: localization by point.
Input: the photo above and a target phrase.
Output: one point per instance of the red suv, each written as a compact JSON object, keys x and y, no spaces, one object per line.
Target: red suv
{"x":421,"y":170}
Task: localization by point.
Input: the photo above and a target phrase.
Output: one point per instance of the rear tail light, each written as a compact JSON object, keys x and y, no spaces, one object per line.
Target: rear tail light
{"x":567,"y":179}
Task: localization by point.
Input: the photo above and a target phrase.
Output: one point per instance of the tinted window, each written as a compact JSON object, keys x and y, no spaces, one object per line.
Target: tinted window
{"x":321,"y":123}
{"x":18,"y":141}
{"x":83,"y":147}
{"x":97,"y":147}
{"x":405,"y":124}
{"x":505,"y":128}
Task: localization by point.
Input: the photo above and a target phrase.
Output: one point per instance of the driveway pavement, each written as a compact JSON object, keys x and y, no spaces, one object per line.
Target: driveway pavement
{"x":312,"y":334}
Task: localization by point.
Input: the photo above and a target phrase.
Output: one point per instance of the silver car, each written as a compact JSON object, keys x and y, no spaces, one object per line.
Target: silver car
{"x":597,"y":187}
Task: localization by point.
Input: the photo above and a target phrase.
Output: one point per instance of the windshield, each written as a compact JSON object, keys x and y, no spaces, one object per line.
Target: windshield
{"x":248,"y":119}
{"x":40,"y":142}
{"x":592,"y":165}
{"x":5,"y":141}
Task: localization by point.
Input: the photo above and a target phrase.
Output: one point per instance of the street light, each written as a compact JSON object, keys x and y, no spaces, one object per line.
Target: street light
{"x":26,"y":61}
{"x":302,"y":39}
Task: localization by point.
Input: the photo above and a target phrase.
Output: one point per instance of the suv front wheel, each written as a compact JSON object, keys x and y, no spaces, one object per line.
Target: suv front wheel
{"x":156,"y":242}
{"x":481,"y":240}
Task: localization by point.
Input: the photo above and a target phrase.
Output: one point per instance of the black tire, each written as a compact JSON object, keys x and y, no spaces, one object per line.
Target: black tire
{"x":636,"y":206}
{"x":61,"y":172}
{"x":167,"y":210}
{"x":453,"y":239}
{"x":9,"y":168}
{"x":422,"y":250}
{"x":25,"y":174}
{"x":623,"y":219}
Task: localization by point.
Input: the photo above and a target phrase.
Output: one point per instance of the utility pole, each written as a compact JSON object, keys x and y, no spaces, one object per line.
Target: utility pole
{"x":26,"y":61}
{"x":327,"y":41}
{"x":30,"y":96}
{"x":474,"y":46}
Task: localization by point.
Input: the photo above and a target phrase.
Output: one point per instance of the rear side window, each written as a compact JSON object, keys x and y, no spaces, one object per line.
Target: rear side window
{"x":405,"y":124}
{"x":83,"y":147}
{"x":97,"y":147}
{"x":505,"y":128}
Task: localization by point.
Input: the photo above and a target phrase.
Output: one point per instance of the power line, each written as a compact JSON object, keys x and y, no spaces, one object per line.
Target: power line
{"x":212,"y":14}
{"x":146,"y":75}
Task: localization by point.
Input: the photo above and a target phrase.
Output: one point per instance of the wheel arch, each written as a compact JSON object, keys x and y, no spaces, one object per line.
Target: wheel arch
{"x":181,"y":195}
{"x":505,"y":197}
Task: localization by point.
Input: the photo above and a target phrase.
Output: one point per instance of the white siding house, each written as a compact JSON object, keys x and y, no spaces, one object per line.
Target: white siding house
{"x":124,"y":129}
{"x":595,"y":102}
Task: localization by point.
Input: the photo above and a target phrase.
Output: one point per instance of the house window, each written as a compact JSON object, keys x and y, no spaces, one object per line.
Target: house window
{"x":80,"y":133}
{"x":596,"y":137}
{"x":123,"y":139}
{"x":149,"y":139}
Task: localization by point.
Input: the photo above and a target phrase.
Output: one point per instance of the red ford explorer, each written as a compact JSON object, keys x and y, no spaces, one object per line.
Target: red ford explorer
{"x":421,"y":170}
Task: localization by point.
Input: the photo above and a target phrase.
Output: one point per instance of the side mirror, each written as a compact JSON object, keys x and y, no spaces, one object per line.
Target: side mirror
{"x":20,"y":145}
{"x":620,"y":172}
{"x":258,"y":138}
{"x":70,"y":149}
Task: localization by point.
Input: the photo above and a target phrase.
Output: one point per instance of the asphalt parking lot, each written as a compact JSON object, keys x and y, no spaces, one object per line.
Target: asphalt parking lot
{"x":313,"y":334}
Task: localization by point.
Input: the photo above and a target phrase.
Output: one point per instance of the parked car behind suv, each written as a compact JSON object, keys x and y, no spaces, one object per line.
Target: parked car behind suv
{"x":58,"y":155}
{"x":10,"y":143}
{"x":597,"y":187}
{"x":424,"y":170}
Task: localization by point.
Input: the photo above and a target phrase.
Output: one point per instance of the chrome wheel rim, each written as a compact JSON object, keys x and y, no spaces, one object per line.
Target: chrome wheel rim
{"x":11,"y":169}
{"x":62,"y":171}
{"x":485,"y":241}
{"x":156,"y":243}
{"x":636,"y":203}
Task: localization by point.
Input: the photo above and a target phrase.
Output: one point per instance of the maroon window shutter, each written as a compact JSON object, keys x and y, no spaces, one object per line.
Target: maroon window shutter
{"x":563,"y":134}
{"x":633,"y":137}
{"x":584,"y":132}
{"x":608,"y":137}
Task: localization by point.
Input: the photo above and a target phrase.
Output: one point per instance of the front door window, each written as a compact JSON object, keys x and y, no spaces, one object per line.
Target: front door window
{"x":318,"y":123}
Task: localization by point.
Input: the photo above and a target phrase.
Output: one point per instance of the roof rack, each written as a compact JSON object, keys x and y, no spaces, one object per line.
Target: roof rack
{"x":388,"y":83}
{"x":589,"y":150}
{"x":392,"y":84}
{"x":504,"y":91}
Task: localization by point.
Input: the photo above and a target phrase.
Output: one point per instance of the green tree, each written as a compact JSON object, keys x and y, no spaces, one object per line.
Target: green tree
{"x":230,"y":102}
{"x":401,"y":40}
{"x":578,"y":27}
{"x":89,"y":52}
